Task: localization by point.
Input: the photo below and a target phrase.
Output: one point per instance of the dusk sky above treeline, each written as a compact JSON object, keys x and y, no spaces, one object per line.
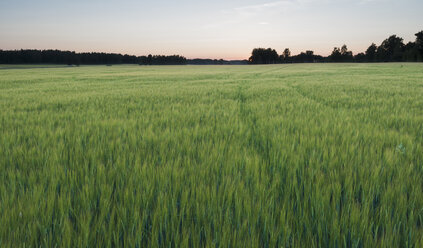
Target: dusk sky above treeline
{"x":205,"y":29}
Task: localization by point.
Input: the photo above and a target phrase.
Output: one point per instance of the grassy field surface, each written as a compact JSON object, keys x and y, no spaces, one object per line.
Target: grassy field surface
{"x":312,"y":155}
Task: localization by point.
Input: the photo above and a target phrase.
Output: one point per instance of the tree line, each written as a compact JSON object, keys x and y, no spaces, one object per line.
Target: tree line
{"x":73,"y":58}
{"x":392,"y":49}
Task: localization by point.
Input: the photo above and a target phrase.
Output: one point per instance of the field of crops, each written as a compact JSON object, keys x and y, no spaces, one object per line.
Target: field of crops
{"x":312,"y":155}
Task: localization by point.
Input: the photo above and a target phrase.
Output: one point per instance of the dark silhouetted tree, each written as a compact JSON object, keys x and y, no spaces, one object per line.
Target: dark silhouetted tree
{"x":264,"y":56}
{"x":341,"y":55}
{"x":419,"y":45}
{"x":371,"y":53}
{"x":360,"y":58}
{"x":336,"y":55}
{"x":347,"y":56}
{"x":411,"y":52}
{"x":286,"y":56}
{"x":307,"y":57}
{"x":391,"y":49}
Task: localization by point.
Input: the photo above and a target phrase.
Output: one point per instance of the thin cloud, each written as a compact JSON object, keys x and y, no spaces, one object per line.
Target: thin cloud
{"x":257,"y":8}
{"x":287,"y":5}
{"x":371,"y":1}
{"x":253,"y":13}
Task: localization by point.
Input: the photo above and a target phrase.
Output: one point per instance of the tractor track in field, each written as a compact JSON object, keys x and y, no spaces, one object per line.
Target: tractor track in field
{"x":279,"y":68}
{"x":261,"y":144}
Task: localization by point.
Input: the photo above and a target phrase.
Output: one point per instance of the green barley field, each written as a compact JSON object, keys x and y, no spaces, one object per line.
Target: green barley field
{"x":310,"y":155}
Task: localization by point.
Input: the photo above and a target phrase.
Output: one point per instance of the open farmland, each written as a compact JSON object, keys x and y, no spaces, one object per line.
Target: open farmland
{"x":311,"y":155}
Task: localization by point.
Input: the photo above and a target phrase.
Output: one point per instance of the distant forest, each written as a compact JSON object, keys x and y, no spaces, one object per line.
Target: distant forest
{"x":73,"y":58}
{"x":392,"y":49}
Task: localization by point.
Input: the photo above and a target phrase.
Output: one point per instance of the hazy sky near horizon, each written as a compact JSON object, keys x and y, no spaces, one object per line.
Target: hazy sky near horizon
{"x":227,"y":29}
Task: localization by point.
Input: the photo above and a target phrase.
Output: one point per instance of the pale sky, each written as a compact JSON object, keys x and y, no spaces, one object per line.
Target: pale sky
{"x":227,"y":29}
